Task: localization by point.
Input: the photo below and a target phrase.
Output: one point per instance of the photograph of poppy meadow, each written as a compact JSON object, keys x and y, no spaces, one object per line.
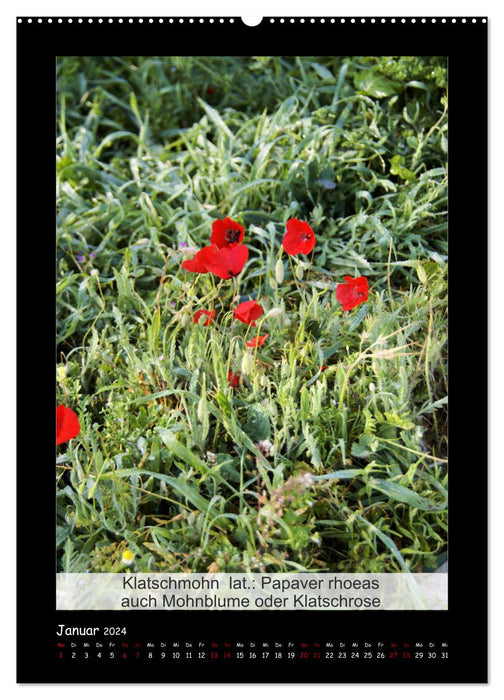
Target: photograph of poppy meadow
{"x":251,"y":314}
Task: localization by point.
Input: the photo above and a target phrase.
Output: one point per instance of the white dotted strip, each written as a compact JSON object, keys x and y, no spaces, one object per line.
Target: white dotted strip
{"x":272,"y":20}
{"x":382,"y":20}
{"x":122,"y":20}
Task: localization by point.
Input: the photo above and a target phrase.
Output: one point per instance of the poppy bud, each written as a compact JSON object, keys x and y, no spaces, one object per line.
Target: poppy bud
{"x":273,"y":313}
{"x":279,"y":271}
{"x":422,"y":275}
{"x":247,"y":363}
{"x":201,"y":411}
{"x":61,"y":373}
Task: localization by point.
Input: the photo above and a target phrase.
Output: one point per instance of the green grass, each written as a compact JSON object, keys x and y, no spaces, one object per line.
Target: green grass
{"x":351,"y":475}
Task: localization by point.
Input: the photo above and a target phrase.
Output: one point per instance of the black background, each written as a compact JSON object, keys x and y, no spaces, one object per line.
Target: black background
{"x":464,"y":625}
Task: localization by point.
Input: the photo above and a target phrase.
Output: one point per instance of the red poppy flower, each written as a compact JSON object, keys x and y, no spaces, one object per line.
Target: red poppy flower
{"x":257,"y":342}
{"x":226,"y":233}
{"x":353,"y":292}
{"x":234,"y":379}
{"x":198,"y":262}
{"x":248,"y":312}
{"x":202,"y":312}
{"x":67,"y":424}
{"x":225,"y":262}
{"x":299,"y":238}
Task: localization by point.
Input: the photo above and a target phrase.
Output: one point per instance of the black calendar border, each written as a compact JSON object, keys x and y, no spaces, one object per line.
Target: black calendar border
{"x":464,"y":625}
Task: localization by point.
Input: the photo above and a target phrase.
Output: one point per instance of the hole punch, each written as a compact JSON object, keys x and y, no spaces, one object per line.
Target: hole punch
{"x":251,"y":21}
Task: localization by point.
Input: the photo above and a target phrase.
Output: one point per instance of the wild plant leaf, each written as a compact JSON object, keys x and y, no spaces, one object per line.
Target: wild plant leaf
{"x":405,"y":423}
{"x":387,"y":541}
{"x":180,"y":487}
{"x":257,"y":425}
{"x":229,"y":467}
{"x":322,"y":71}
{"x":341,"y":474}
{"x":404,"y":495}
{"x":376,"y":85}
{"x":359,"y":316}
{"x":397,"y":167}
{"x":365,"y":447}
{"x":216,"y":118}
{"x":181,"y":451}
{"x":331,"y":350}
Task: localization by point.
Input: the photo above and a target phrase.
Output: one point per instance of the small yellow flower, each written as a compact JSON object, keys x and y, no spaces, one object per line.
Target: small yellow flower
{"x":127,"y":557}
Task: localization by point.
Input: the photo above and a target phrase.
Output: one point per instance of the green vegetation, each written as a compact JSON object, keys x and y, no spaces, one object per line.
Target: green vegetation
{"x":299,"y":468}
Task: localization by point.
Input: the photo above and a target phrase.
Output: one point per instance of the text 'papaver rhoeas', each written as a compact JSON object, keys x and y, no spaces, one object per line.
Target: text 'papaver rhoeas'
{"x":299,"y":238}
{"x":248,"y":312}
{"x":353,"y":292}
{"x":67,"y":424}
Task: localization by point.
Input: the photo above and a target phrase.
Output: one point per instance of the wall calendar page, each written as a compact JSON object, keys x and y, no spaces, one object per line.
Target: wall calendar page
{"x":258,"y":237}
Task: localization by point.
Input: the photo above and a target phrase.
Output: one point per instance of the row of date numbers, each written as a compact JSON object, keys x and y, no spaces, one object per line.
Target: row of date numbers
{"x":238,"y":655}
